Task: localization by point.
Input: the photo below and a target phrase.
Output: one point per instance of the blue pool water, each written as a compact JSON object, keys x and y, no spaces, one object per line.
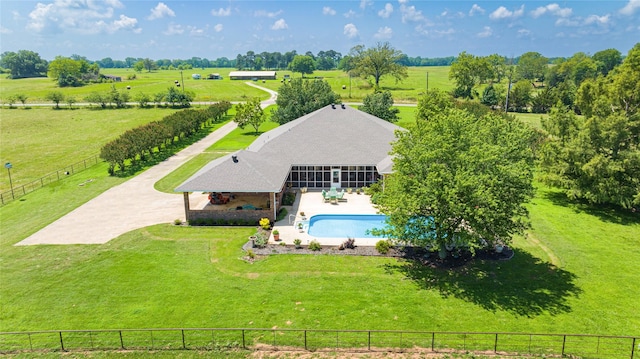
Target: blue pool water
{"x":345,"y":225}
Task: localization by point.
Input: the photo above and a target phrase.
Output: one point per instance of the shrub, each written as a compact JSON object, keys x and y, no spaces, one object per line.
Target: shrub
{"x":177,"y":221}
{"x":261,"y":240}
{"x":288,"y":198}
{"x":251,"y":254}
{"x":297,"y":242}
{"x":265,"y":223}
{"x":350,"y":243}
{"x":315,"y":245}
{"x":383,"y":246}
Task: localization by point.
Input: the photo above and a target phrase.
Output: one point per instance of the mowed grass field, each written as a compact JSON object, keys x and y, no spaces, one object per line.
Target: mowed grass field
{"x":157,"y":81}
{"x":575,"y":271}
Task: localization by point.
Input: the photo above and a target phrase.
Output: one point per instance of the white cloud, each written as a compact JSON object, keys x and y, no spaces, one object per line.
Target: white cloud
{"x":328,"y":11}
{"x":263,"y":13}
{"x":279,"y":25}
{"x":409,"y":13}
{"x":349,"y":14}
{"x":88,"y":17}
{"x":365,"y":3}
{"x":567,"y":22}
{"x":476,"y":9}
{"x":504,"y":13}
{"x":631,"y":7}
{"x":161,"y":10}
{"x":221,"y":12}
{"x":524,"y":33}
{"x":486,"y":32}
{"x":174,"y":29}
{"x":383,"y":33}
{"x":218,"y":27}
{"x":386,"y":12}
{"x":4,"y":30}
{"x":350,"y":30}
{"x":553,"y":9}
{"x":598,"y":20}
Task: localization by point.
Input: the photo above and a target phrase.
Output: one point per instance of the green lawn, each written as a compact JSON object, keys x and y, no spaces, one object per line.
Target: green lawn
{"x":576,"y":272}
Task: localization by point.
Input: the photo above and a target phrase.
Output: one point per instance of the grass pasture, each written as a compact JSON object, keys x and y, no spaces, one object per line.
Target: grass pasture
{"x":153,"y":82}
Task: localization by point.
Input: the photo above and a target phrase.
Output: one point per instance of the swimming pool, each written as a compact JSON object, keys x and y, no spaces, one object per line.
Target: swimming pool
{"x":345,"y":225}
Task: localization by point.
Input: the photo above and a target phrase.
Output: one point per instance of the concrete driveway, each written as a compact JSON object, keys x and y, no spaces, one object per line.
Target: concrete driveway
{"x":130,"y":205}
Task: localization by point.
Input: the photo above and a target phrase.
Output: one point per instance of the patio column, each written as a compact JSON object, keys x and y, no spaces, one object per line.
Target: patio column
{"x":185,"y":196}
{"x":275,"y":207}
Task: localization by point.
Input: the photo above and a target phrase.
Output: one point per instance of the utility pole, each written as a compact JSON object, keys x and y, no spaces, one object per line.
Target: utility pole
{"x":427,"y":81}
{"x":182,"y":79}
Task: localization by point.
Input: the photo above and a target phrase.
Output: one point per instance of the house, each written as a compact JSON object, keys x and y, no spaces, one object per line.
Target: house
{"x":335,"y":146}
{"x":252,"y":75}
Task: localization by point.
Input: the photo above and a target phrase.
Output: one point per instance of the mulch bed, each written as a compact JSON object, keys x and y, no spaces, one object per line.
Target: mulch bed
{"x":425,"y":257}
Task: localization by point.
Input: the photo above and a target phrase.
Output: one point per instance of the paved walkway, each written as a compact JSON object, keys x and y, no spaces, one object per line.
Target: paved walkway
{"x":130,"y":205}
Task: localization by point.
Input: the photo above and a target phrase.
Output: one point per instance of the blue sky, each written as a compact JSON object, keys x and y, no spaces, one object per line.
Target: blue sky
{"x":211,"y":29}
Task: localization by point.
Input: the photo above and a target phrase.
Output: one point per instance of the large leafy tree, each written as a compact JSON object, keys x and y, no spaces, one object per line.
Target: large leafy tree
{"x":300,"y":97}
{"x":607,"y":60}
{"x":598,"y":159}
{"x":467,"y":71}
{"x":303,"y":64}
{"x":378,"y":61}
{"x":249,"y":113}
{"x":380,"y":104}
{"x":532,"y":66}
{"x":459,"y":181}
{"x":24,"y":63}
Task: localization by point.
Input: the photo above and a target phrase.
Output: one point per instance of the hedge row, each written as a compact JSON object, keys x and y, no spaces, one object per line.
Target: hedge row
{"x":223,"y":222}
{"x":134,"y":144}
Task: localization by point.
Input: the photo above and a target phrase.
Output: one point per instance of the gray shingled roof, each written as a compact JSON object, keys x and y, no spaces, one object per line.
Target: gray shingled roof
{"x":332,"y":135}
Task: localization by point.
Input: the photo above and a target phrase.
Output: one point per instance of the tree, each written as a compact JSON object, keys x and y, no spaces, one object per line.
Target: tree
{"x":24,"y":63}
{"x":459,"y":182}
{"x":490,"y":96}
{"x":380,"y":104}
{"x":378,"y":61}
{"x":300,"y":97}
{"x":607,"y":60}
{"x":66,"y":71}
{"x":249,"y":113}
{"x":464,"y":74}
{"x":520,"y":96}
{"x":598,"y":159}
{"x":532,"y":66}
{"x":22,"y":98}
{"x":138,"y":66}
{"x":149,"y":64}
{"x":431,"y":103}
{"x":70,"y":100}
{"x":303,"y":64}
{"x":55,"y":97}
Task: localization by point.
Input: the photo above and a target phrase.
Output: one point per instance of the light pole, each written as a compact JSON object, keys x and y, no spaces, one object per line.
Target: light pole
{"x":8,"y":166}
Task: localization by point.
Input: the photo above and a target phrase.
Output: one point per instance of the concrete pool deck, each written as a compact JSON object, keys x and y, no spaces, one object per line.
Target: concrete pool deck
{"x":312,"y":203}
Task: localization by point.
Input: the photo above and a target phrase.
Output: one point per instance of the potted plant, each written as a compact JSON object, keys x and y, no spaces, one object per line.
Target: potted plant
{"x":300,"y":227}
{"x":298,"y":243}
{"x":303,"y":215}
{"x":349,"y":190}
{"x":357,"y":190}
{"x":276,"y":235}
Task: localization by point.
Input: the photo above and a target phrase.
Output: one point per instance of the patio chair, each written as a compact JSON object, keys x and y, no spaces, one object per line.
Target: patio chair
{"x":325,"y":196}
{"x":340,"y":196}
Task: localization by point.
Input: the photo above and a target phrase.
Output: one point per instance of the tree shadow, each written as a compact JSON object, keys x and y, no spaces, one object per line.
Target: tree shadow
{"x":606,"y":213}
{"x":524,"y":285}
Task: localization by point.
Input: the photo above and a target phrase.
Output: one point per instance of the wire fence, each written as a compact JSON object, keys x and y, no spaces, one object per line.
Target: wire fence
{"x":19,"y":191}
{"x":578,"y":345}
